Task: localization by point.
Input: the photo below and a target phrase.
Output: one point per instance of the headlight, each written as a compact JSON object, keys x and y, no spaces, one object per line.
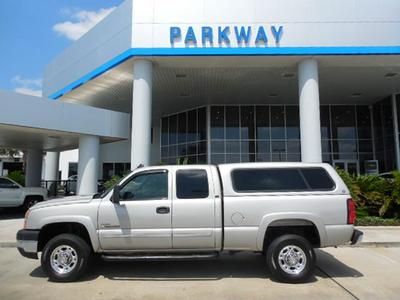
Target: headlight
{"x":26,"y":217}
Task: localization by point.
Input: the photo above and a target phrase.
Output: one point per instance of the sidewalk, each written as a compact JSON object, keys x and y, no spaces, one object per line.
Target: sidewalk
{"x":374,"y":236}
{"x":380,"y":236}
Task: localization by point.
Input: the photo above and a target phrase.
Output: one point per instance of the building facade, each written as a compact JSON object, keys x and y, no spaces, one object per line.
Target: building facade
{"x":236,"y":81}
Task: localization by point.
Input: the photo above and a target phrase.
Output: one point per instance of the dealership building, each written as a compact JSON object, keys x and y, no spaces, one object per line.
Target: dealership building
{"x":204,"y":81}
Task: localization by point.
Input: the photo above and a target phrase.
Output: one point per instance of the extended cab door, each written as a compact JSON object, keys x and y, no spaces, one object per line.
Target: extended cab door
{"x":193,"y":209}
{"x":142,"y":219}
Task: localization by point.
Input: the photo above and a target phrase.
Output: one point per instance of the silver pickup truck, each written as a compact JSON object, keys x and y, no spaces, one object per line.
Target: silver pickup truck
{"x":282,"y":210}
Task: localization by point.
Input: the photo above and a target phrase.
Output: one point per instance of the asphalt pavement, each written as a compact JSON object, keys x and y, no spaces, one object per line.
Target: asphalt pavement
{"x":370,"y":270}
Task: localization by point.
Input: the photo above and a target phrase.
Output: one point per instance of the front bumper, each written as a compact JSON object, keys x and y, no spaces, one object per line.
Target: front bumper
{"x":27,"y":242}
{"x":357,"y":237}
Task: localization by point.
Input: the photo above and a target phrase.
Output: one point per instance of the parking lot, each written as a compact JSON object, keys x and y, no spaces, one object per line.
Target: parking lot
{"x":371,"y":271}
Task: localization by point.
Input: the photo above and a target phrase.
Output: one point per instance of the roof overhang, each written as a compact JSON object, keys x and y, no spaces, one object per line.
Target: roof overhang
{"x":28,"y":122}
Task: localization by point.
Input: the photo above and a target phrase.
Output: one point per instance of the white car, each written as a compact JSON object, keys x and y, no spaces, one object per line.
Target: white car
{"x":13,"y":194}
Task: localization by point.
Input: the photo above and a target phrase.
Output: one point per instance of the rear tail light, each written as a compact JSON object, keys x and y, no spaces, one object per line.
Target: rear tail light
{"x":351,"y":211}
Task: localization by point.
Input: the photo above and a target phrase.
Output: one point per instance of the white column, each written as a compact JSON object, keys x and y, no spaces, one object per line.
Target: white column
{"x":141,"y":113}
{"x":51,"y":171}
{"x":88,"y":164}
{"x":33,"y":168}
{"x":310,"y":124}
{"x":396,"y":131}
{"x":51,"y":165}
{"x":1,"y":168}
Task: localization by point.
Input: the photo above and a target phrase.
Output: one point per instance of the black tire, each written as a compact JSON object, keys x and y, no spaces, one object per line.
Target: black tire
{"x":291,"y":275}
{"x":30,"y":201}
{"x":82,"y":251}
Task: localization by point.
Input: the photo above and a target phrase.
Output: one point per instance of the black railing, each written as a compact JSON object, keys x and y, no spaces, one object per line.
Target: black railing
{"x":66,"y":187}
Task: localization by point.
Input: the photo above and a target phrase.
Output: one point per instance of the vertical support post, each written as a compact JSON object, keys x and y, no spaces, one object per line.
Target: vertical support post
{"x":88,"y":164}
{"x":310,"y":124}
{"x":33,"y":172}
{"x":396,"y":131}
{"x":51,"y":171}
{"x":141,"y":113}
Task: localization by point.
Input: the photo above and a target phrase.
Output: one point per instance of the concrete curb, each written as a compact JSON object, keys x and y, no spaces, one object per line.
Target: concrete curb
{"x":8,"y":244}
{"x":374,"y":245}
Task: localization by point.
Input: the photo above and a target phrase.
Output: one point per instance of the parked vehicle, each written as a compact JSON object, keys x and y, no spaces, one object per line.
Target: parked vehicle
{"x":13,"y":194}
{"x":283,"y":210}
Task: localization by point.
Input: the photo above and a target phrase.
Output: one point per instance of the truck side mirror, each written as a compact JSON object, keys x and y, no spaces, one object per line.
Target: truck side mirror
{"x":115,"y":196}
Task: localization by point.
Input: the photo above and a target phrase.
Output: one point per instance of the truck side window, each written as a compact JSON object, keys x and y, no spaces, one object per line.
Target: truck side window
{"x":191,"y":184}
{"x":150,"y":186}
{"x":6,"y":184}
{"x":318,"y":179}
{"x":268,"y":180}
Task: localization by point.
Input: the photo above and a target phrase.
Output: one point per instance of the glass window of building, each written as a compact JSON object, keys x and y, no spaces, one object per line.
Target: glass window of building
{"x":183,"y":138}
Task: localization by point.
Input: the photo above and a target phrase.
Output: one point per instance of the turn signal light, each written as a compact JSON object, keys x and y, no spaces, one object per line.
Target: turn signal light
{"x":351,"y":211}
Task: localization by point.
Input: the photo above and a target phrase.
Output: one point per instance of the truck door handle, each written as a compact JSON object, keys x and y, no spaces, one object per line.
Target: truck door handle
{"x":162,"y":210}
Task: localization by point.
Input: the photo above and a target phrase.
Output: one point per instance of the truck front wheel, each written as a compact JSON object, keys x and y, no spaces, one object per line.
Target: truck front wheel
{"x":65,"y":257}
{"x":291,"y":258}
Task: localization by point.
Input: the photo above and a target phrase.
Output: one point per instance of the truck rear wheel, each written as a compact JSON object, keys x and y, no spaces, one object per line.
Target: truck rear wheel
{"x":65,"y":257}
{"x":291,"y":258}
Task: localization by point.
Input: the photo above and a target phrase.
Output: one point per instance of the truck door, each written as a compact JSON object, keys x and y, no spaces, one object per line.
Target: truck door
{"x":10,"y":193}
{"x":193,"y":209}
{"x":142,"y":219}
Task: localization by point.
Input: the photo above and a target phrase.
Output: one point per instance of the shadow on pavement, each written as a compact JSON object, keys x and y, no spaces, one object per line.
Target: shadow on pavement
{"x":11,"y":213}
{"x":333,"y":267}
{"x":240,"y":265}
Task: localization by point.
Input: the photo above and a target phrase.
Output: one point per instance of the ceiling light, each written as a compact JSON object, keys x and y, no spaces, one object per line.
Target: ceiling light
{"x":391,"y":74}
{"x":288,"y":75}
{"x":356,"y":95}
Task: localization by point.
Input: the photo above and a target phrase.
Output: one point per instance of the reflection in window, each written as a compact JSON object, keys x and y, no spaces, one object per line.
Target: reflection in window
{"x":247,"y":122}
{"x":343,"y":122}
{"x":292,"y":123}
{"x":153,"y":186}
{"x":183,"y":138}
{"x":277,"y":122}
{"x":247,"y":133}
{"x":232,"y":123}
{"x":262,"y":123}
{"x":217,"y":122}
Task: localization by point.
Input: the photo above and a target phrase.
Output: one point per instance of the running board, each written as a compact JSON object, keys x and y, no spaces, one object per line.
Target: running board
{"x":159,"y":257}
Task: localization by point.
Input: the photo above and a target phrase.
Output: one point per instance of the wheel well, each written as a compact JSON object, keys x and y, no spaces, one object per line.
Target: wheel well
{"x":34,"y":197}
{"x":52,"y":230}
{"x":304,"y":228}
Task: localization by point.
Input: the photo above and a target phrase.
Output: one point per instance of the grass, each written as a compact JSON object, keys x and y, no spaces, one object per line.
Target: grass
{"x":376,"y":221}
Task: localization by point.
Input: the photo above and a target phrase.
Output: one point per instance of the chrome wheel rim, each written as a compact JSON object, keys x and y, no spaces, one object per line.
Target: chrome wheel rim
{"x":63,"y":259}
{"x":292,"y":259}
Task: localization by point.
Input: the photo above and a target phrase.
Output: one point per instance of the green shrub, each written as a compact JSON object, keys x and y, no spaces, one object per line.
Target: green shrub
{"x":17,"y":176}
{"x":374,"y":195}
{"x":113,"y":181}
